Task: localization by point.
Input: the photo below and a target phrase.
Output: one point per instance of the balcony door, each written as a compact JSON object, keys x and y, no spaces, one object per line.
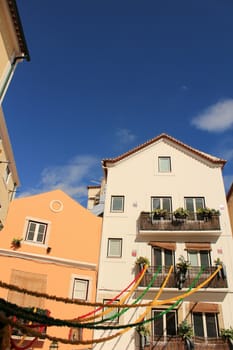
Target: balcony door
{"x":163,"y":257}
{"x":192,"y":204}
{"x":161,"y":203}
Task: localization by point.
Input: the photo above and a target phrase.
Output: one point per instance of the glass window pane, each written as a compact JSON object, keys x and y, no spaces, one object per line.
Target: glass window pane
{"x":114,"y":247}
{"x":204,"y":255}
{"x":167,"y":204}
{"x":211,"y":325}
{"x":199,"y":202}
{"x":158,"y":324}
{"x":31,"y":231}
{"x":41,"y":233}
{"x":171,"y":323}
{"x":193,"y":258}
{"x":168,"y":257}
{"x":164,"y":164}
{"x":198,"y":324}
{"x":113,"y":314}
{"x":189,"y":205}
{"x":80,"y":289}
{"x":117,"y":203}
{"x":155,"y":203}
{"x":157,"y":257}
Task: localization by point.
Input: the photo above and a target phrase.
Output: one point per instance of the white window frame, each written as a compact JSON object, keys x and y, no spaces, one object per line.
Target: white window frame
{"x":75,"y":277}
{"x":84,"y":282}
{"x":198,"y":255}
{"x":110,"y":249}
{"x":36,"y":233}
{"x":164,"y":160}
{"x":112,"y":312}
{"x":161,"y":203}
{"x":204,"y":324}
{"x":113,"y":198}
{"x":39,"y":221}
{"x":194,"y":212}
{"x":163,"y":317}
{"x":162,"y":250}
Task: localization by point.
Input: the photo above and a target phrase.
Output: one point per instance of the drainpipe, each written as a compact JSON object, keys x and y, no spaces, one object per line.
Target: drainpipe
{"x":9,"y":76}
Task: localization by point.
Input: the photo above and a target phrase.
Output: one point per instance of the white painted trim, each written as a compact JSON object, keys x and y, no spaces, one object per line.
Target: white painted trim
{"x":48,"y":259}
{"x":81,"y":277}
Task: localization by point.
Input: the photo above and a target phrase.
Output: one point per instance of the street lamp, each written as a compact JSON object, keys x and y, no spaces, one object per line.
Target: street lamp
{"x":53,"y":345}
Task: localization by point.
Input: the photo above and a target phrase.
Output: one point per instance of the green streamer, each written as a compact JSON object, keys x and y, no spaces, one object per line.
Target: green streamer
{"x":13,"y":309}
{"x":118,"y":314}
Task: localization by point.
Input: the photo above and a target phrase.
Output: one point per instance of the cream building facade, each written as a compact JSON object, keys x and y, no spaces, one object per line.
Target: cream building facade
{"x":165,"y":173}
{"x":13,"y":47}
{"x":9,"y":180}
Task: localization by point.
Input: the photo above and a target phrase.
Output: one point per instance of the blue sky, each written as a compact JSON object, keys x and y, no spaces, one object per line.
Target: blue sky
{"x":106,"y":76}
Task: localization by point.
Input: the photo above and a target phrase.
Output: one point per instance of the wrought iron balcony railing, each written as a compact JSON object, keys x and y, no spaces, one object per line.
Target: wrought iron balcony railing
{"x":146,"y":222}
{"x":219,"y":281}
{"x":176,"y":343}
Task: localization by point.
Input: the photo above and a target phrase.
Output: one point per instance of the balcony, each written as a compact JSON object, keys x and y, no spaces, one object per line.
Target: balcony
{"x":146,"y":224}
{"x":176,"y":343}
{"x":218,"y":281}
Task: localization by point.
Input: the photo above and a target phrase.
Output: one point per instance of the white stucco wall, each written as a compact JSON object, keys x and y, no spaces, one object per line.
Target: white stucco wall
{"x":137,"y":179}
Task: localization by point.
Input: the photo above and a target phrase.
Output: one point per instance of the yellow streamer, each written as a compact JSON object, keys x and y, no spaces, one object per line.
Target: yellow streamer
{"x":103,"y":313}
{"x":165,"y":301}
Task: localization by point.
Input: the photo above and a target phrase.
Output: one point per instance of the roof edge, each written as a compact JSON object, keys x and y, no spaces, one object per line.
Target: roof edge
{"x":18,"y":28}
{"x":219,"y":161}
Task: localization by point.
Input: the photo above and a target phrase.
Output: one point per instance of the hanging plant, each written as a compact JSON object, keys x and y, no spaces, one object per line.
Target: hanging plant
{"x":181,"y":271}
{"x":185,"y":330}
{"x":16,"y":243}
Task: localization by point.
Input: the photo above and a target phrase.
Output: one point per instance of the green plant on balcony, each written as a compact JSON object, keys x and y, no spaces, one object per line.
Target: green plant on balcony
{"x":221,"y":273}
{"x":144,"y":333}
{"x":158,"y":213}
{"x":185,"y":330}
{"x":181,"y":213}
{"x":227,"y":335}
{"x":143,"y":330}
{"x":16,"y":243}
{"x":207,"y":213}
{"x":141,"y":261}
{"x":182,"y":267}
{"x":218,"y":262}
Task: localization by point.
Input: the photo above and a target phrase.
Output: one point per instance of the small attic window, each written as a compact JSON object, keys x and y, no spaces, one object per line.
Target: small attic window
{"x":164,"y":164}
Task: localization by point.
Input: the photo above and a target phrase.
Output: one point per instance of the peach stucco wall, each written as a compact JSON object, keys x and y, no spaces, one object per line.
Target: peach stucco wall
{"x":74,"y":237}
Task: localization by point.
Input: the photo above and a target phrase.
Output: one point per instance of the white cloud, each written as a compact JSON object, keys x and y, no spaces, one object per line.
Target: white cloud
{"x":216,"y":118}
{"x":125,"y":136}
{"x":72,"y":177}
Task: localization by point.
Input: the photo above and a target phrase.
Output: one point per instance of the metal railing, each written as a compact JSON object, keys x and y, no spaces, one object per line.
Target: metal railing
{"x":147,"y":222}
{"x":219,"y":281}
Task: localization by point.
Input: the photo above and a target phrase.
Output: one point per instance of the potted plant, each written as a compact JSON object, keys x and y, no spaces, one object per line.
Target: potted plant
{"x":182,"y":267}
{"x":185,"y":331}
{"x":16,"y":242}
{"x":227,"y":335}
{"x":144,"y":333}
{"x":141,"y":261}
{"x":157,"y":214}
{"x":221,"y":273}
{"x":206,"y":213}
{"x":181,"y":213}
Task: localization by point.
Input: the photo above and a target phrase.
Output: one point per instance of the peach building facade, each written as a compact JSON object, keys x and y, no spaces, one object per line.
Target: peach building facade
{"x":57,"y":255}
